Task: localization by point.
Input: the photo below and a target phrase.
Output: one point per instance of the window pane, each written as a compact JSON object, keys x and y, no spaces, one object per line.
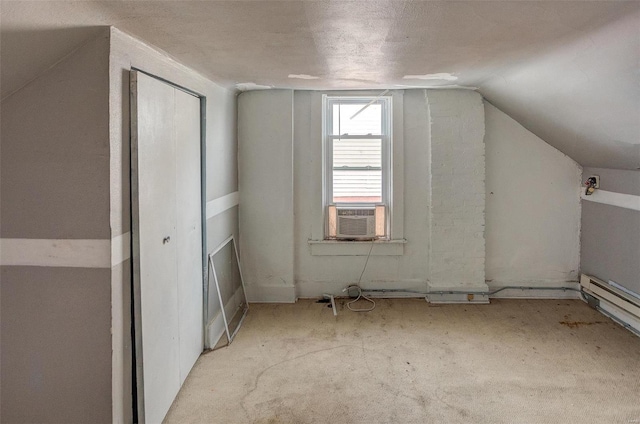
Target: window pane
{"x":357,"y":171}
{"x":357,"y":186}
{"x":357,"y":153}
{"x":369,"y":121}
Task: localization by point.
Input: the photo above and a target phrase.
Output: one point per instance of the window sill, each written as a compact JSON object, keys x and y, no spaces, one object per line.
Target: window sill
{"x":357,"y":248}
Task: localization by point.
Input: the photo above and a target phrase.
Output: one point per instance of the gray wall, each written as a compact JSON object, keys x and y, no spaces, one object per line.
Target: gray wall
{"x":65,"y":227}
{"x":611,"y":234}
{"x":221,"y":170}
{"x":56,"y":320}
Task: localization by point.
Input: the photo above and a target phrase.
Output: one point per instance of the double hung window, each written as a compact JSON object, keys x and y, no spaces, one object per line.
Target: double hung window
{"x":357,"y":171}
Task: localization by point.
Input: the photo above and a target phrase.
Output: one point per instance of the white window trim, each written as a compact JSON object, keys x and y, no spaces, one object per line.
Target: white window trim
{"x":387,"y":141}
{"x":394,"y":245}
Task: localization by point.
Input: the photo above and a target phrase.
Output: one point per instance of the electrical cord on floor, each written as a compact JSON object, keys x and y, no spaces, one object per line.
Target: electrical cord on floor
{"x":357,"y":287}
{"x":366,"y":262}
{"x":360,"y":296}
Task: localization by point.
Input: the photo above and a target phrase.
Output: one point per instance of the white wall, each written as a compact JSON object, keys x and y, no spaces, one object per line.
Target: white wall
{"x":532,"y":236}
{"x":265,"y":154}
{"x":317,"y":274}
{"x":329,"y":268}
{"x":533,"y":207}
{"x":457,"y":248}
{"x":221,"y":196}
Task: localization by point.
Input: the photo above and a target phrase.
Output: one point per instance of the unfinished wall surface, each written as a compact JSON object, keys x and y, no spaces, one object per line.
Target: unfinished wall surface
{"x":55,"y":247}
{"x":221,"y":195}
{"x":611,"y":234}
{"x":265,"y":154}
{"x":457,"y":247}
{"x":533,"y":208}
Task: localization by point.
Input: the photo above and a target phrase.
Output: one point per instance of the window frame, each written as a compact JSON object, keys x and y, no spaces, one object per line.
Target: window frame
{"x":318,"y":245}
{"x":386,"y":138}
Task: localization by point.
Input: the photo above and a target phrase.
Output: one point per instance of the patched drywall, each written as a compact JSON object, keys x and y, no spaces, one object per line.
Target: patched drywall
{"x":532,"y":207}
{"x":56,"y":318}
{"x":611,"y":234}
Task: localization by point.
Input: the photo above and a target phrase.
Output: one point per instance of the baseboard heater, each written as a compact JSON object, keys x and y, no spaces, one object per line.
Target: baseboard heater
{"x":613,"y":295}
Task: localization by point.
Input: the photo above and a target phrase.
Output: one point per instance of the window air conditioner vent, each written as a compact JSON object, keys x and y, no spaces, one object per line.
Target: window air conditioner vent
{"x":356,"y":223}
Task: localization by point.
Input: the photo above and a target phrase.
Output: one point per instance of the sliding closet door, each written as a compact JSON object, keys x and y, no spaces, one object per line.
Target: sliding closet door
{"x":167,"y":240}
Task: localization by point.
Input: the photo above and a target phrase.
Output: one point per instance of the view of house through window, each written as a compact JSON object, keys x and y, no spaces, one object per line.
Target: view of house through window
{"x":355,"y":133}
{"x":357,"y":164}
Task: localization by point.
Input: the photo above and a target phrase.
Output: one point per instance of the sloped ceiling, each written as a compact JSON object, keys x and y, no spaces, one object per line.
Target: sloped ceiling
{"x":568,"y":71}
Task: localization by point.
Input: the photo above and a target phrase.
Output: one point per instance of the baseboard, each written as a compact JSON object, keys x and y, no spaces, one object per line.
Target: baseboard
{"x":271,"y":294}
{"x":315,"y":289}
{"x":215,"y":328}
{"x":438,"y":294}
{"x":459,"y":294}
{"x":534,"y":290}
{"x":625,"y":317}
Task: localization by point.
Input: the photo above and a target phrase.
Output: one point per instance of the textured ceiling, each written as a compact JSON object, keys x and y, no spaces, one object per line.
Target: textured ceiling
{"x":568,"y":71}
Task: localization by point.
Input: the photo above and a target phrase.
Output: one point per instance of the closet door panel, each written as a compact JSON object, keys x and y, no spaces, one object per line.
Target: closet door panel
{"x":155,"y":245}
{"x":189,"y":229}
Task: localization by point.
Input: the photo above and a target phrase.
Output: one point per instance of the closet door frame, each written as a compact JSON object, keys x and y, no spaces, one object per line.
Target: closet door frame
{"x":136,"y":322}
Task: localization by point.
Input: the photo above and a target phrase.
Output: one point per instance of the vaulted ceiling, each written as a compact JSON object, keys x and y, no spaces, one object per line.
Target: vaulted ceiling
{"x":569,"y":71}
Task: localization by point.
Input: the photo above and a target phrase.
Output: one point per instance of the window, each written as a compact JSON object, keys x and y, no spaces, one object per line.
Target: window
{"x":357,"y":171}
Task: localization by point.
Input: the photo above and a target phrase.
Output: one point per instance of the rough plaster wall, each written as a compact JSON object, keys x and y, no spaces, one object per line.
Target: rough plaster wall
{"x":611,"y":234}
{"x":457,"y":245}
{"x":265,"y":154}
{"x":533,"y":207}
{"x":316,"y":275}
{"x":56,"y":341}
{"x":222,"y":179}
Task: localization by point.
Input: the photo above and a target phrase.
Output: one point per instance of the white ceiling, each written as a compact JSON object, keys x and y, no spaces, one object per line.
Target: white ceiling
{"x":568,"y":71}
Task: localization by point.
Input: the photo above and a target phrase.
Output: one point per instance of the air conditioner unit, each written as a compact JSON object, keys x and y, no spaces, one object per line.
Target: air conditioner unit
{"x":356,"y":223}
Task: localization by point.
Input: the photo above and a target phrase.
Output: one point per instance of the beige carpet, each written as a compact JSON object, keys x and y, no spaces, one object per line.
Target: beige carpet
{"x":514,"y":361}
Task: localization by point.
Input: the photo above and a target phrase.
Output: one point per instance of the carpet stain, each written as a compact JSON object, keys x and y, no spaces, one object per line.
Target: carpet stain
{"x":578,"y":324}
